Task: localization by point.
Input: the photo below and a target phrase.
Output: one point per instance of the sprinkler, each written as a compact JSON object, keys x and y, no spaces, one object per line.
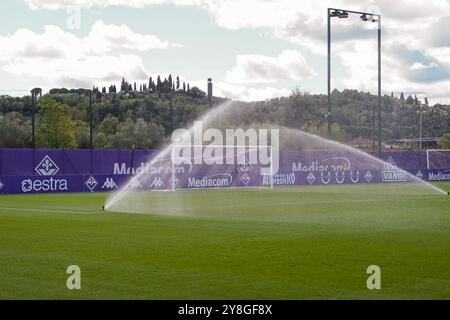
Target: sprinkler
{"x":103,"y":208}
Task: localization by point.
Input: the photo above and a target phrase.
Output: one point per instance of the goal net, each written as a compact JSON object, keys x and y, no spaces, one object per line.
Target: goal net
{"x":438,"y":159}
{"x":220,"y":166}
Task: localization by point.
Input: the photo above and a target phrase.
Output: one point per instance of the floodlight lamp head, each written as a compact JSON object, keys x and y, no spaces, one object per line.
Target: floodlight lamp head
{"x":334,"y":13}
{"x":343,"y":14}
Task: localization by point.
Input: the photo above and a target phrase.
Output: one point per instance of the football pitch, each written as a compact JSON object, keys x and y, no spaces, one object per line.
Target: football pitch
{"x":285,"y":243}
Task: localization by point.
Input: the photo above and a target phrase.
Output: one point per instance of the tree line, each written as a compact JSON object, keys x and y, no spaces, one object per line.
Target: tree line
{"x":157,"y":85}
{"x":144,"y":115}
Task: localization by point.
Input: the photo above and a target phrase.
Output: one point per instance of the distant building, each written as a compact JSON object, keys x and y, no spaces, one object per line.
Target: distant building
{"x":361,"y":143}
{"x":427,"y":142}
{"x":444,"y":106}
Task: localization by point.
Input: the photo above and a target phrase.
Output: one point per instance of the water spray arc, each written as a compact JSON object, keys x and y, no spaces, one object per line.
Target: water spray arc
{"x":164,"y":154}
{"x":230,"y":114}
{"x":369,"y":157}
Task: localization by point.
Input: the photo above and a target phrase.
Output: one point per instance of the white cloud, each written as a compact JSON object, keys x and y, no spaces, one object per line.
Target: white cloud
{"x":440,"y":54}
{"x":239,"y":92}
{"x":61,"y":4}
{"x":93,"y":68}
{"x":423,"y":66}
{"x":288,"y":65}
{"x":243,"y":93}
{"x":57,"y":43}
{"x":227,"y":90}
{"x":397,"y":75}
{"x":59,"y":57}
{"x":106,"y":37}
{"x":437,"y":33}
{"x":421,"y":26}
{"x":53,"y":43}
{"x":287,"y":18}
{"x":88,"y":70}
{"x":360,"y":64}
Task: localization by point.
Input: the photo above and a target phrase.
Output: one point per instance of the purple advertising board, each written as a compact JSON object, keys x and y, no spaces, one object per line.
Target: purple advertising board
{"x":60,"y":183}
{"x":70,"y":161}
{"x":199,"y":180}
{"x":43,"y":170}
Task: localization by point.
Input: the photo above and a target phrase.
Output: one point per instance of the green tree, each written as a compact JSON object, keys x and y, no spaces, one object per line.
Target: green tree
{"x":82,"y":134}
{"x":444,"y":143}
{"x":410,"y":100}
{"x":158,"y":83}
{"x":300,"y":111}
{"x":124,"y":85}
{"x":56,"y":129}
{"x":197,"y":93}
{"x":139,"y":133}
{"x":15,"y":132}
{"x":165,"y":86}
{"x":109,"y":125}
{"x":322,"y":130}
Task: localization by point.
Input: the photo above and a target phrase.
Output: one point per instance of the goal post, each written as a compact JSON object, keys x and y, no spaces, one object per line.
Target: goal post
{"x":173,"y":175}
{"x":438,"y":159}
{"x":221,"y":166}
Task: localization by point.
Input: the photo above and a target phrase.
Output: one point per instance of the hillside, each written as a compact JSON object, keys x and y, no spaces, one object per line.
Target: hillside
{"x":145,"y":118}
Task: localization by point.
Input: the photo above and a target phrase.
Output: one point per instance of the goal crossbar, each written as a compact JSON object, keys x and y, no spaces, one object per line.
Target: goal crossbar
{"x":248,"y":148}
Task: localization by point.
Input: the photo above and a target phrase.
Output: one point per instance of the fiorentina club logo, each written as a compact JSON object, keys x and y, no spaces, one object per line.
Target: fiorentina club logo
{"x":390,"y":164}
{"x":368,"y":176}
{"x":245,"y":179}
{"x":311,"y":178}
{"x":91,"y":183}
{"x":419,"y":174}
{"x":47,"y":167}
{"x":244,"y":165}
{"x":173,"y":181}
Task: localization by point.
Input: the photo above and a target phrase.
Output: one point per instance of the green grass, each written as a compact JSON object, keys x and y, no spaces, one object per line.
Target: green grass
{"x":289,"y":243}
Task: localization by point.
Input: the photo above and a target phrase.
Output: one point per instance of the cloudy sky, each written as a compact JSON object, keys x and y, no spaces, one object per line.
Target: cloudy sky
{"x":253,"y":49}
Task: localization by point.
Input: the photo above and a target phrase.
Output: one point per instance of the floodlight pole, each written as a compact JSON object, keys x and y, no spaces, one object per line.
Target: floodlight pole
{"x":379,"y":84}
{"x":90,"y":121}
{"x":33,"y":119}
{"x":171,"y":112}
{"x":329,"y":73}
{"x":420,"y":129}
{"x":34,"y":94}
{"x":341,"y":13}
{"x":420,"y":112}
